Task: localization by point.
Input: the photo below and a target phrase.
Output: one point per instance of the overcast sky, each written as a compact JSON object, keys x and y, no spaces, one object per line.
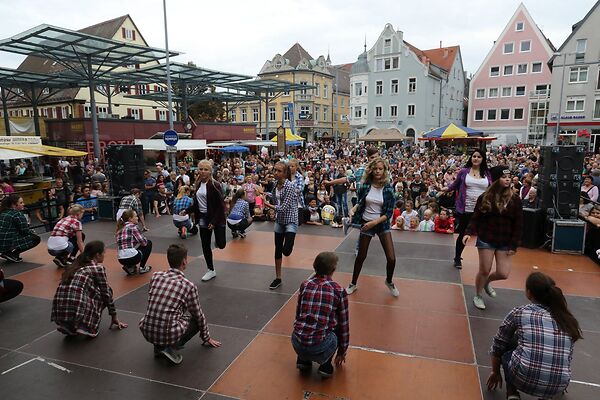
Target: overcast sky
{"x":240,"y":35}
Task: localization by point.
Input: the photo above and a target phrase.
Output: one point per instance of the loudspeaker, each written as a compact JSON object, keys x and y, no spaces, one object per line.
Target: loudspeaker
{"x":560,"y":195}
{"x":568,"y":236}
{"x":561,"y":163}
{"x":533,"y":234}
{"x":125,"y":167}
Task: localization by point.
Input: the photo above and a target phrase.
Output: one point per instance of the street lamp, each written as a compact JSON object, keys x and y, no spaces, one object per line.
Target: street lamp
{"x":169,"y":94}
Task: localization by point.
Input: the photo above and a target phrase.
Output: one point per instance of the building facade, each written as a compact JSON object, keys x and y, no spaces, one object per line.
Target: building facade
{"x":575,"y":99}
{"x":318,"y":113}
{"x":404,"y":88}
{"x":510,"y":92}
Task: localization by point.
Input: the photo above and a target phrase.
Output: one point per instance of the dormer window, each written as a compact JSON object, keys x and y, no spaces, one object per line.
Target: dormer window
{"x":387,"y":42}
{"x":278,"y":64}
{"x":519,"y":26}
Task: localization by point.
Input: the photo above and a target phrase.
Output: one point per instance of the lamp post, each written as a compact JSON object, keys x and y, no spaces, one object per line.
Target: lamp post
{"x":560,"y":99}
{"x":169,"y":91}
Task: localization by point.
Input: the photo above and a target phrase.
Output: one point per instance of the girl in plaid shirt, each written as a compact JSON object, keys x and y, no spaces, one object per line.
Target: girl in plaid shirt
{"x":181,"y":220}
{"x":133,"y":247}
{"x":534,"y":344}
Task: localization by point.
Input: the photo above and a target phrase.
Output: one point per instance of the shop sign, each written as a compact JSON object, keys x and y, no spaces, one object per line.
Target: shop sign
{"x":20,"y":140}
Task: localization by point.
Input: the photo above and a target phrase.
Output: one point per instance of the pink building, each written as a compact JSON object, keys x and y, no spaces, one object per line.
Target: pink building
{"x":510,"y":92}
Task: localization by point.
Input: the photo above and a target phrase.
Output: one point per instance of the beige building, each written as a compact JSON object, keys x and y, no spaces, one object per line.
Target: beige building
{"x":321,"y":112}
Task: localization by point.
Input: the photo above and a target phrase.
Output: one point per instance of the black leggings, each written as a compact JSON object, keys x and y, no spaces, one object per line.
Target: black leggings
{"x":284,"y":244}
{"x":240,"y":226}
{"x":12,"y":288}
{"x":463,"y":222}
{"x":142,"y":256}
{"x":363,"y":247}
{"x":220,"y":241}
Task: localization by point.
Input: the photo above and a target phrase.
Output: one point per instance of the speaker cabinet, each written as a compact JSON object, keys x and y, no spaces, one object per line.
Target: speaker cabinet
{"x":568,"y":236}
{"x":125,"y":167}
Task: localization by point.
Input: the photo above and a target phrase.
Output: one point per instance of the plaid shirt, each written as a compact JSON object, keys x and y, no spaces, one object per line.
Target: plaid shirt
{"x":182,"y":204}
{"x":14,"y":231}
{"x":287,"y":206}
{"x":298,"y":182}
{"x":322,"y":308}
{"x":82,"y":300}
{"x":130,"y":237}
{"x":499,"y":229}
{"x":67,"y":227}
{"x":389,"y":202}
{"x":132,"y":202}
{"x":172,"y":302}
{"x":540,"y":364}
{"x":357,"y":176}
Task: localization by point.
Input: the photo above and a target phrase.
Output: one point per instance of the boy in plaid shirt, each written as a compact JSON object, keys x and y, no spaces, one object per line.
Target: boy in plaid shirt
{"x":67,"y":237}
{"x":321,"y":327}
{"x":174,"y":314}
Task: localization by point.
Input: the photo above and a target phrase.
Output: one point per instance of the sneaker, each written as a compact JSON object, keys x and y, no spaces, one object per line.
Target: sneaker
{"x":70,"y":260}
{"x":128,"y":270}
{"x":326,"y":370}
{"x":346,"y":224}
{"x":210,"y":274}
{"x":11,"y":257}
{"x":85,"y":332}
{"x":392,"y":288}
{"x":242,"y":235}
{"x":67,"y":330}
{"x":172,"y":355}
{"x":351,"y":288}
{"x":60,"y":263}
{"x":275,"y":284}
{"x":489,"y":290}
{"x":145,"y":269}
{"x":458,"y":263}
{"x":478,"y":302}
{"x":234,"y":234}
{"x":183,"y":233}
{"x":303,"y":365}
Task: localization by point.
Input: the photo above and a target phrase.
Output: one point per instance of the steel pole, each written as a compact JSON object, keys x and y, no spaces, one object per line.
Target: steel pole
{"x":5,"y":111}
{"x":560,"y":99}
{"x":169,"y":90}
{"x":95,"y":133}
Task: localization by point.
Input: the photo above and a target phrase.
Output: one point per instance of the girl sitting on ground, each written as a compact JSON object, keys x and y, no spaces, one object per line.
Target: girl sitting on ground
{"x":239,"y":218}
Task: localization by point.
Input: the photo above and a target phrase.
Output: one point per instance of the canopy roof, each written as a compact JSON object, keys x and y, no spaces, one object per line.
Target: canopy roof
{"x":452,"y":131}
{"x":267,"y":85}
{"x":211,"y":96}
{"x":17,"y":78}
{"x":76,"y":49}
{"x":384,"y":135}
{"x":184,"y":73}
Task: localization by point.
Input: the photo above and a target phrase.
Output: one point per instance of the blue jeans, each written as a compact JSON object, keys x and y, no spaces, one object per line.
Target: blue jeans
{"x":180,"y":224}
{"x":287,"y":228}
{"x":318,"y":353}
{"x":341,"y":201}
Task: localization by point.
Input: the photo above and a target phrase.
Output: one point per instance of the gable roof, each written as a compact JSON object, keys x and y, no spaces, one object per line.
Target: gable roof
{"x":106,"y":29}
{"x":575,"y":29}
{"x":443,"y":57}
{"x":295,"y":54}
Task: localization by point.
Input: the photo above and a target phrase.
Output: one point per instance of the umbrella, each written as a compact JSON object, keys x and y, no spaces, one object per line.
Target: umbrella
{"x":452,"y":131}
{"x":234,"y":148}
{"x":293,"y":143}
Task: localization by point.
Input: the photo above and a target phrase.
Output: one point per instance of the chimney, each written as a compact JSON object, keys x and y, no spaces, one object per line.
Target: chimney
{"x":440,"y":44}
{"x":445,"y":53}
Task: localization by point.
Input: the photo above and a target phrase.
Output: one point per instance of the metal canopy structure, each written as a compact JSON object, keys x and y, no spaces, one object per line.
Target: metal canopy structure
{"x":87,"y":56}
{"x":225,"y":97}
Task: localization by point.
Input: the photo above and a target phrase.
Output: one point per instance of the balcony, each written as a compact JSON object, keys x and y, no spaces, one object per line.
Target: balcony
{"x":304,"y":97}
{"x":539,"y":94}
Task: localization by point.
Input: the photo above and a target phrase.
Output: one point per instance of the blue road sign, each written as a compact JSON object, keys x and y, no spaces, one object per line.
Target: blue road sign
{"x":171,"y":137}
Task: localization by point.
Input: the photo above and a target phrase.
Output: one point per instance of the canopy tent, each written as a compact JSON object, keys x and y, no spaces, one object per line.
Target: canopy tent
{"x":234,"y":148}
{"x":43,"y":150}
{"x":217,"y":145}
{"x":452,"y":131}
{"x":6,"y":154}
{"x":384,"y":135}
{"x":289,"y":136}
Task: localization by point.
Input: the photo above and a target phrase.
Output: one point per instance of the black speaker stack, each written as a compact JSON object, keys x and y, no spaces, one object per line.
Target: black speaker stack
{"x":559,"y":181}
{"x":125,"y":167}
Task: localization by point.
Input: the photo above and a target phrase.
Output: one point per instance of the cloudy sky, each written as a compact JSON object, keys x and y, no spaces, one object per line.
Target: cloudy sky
{"x":240,"y":35}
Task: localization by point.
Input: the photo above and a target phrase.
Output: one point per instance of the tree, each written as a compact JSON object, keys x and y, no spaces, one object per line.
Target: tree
{"x":211,"y":111}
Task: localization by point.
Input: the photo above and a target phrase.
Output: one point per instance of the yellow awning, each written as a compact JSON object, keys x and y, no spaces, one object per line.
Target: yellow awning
{"x":289,"y":136}
{"x":44,"y":150}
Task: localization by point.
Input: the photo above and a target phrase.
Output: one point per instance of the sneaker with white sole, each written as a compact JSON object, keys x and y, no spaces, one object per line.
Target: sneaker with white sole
{"x":60,"y":263}
{"x":346,"y":224}
{"x":85,"y":332}
{"x":351,"y":288}
{"x":11,"y":257}
{"x":145,"y":269}
{"x":173,"y":356}
{"x":489,"y":290}
{"x":210,"y":274}
{"x":393,"y":290}
{"x":478,"y":302}
{"x":275,"y":284}
{"x":242,"y":235}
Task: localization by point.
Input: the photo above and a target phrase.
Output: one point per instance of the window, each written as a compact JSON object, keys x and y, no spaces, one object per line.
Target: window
{"x":578,"y":75}
{"x":508,"y":70}
{"x":412,"y":85}
{"x":509,"y":48}
{"x":491,"y":115}
{"x":521,"y":69}
{"x":124,"y":89}
{"x":525,"y":46}
{"x":378,"y":111}
{"x":232,"y":115}
{"x":494,"y":71}
{"x":325,"y":113}
{"x":379,"y":64}
{"x":393,"y":111}
{"x":480,"y":94}
{"x":536,"y":67}
{"x":271,"y":113}
{"x":303,"y":91}
{"x":575,"y":105}
{"x":395,"y":61}
{"x":317,"y":89}
{"x":325,"y":91}
{"x":379,"y":87}
{"x":597,"y":109}
{"x":518,"y":113}
{"x":128,"y":34}
{"x":505,"y":113}
{"x":162,"y":115}
{"x":244,"y":115}
{"x":305,"y":111}
{"x":493,"y":92}
{"x":135,"y":113}
{"x":317,"y":111}
{"x":580,"y":50}
{"x":387,"y":42}
{"x":394,"y":87}
{"x":358,"y":89}
{"x":520,"y":91}
{"x":255,"y":114}
{"x":87,"y":113}
{"x":387,"y":63}
{"x":519,"y":26}
{"x":271,"y":94}
{"x":358,"y":112}
{"x":506,"y":91}
{"x":410,"y":111}
{"x":365,"y":112}
{"x":286,"y":92}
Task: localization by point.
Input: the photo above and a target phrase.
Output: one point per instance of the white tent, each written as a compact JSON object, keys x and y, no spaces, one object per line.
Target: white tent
{"x":182,"y":144}
{"x":6,"y":154}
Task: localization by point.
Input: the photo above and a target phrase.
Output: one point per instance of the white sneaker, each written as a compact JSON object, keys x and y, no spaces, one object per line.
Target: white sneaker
{"x":489,"y":290}
{"x":478,"y":302}
{"x":393,"y":290}
{"x":351,"y":288}
{"x":209,"y":275}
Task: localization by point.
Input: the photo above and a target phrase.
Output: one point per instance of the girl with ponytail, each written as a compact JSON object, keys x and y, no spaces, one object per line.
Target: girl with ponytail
{"x":83,"y":294}
{"x":534,"y":344}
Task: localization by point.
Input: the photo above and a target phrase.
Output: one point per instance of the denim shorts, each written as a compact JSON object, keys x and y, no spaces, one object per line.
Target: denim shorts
{"x":179,"y":224}
{"x":488,"y":246}
{"x":58,"y":253}
{"x":376,"y":230}
{"x":287,"y":228}
{"x":318,"y":353}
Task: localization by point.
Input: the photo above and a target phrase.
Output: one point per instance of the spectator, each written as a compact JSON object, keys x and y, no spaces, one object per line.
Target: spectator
{"x":589,"y":188}
{"x":89,"y":204}
{"x":321,"y":326}
{"x":160,"y":203}
{"x":63,"y":194}
{"x":67,"y":237}
{"x":251,"y":190}
{"x":98,"y":176}
{"x":181,"y":220}
{"x":48,"y":211}
{"x":409,"y":214}
{"x":83,"y":294}
{"x":15,"y":235}
{"x":96,"y":190}
{"x":417,"y":187}
{"x":149,"y":190}
{"x":7,"y":186}
{"x":132,"y":246}
{"x":340,"y":191}
{"x":585,"y":205}
{"x":444,"y":223}
{"x":427,"y":225}
{"x":174,"y":316}
{"x":532,"y":200}
{"x":313,"y":213}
